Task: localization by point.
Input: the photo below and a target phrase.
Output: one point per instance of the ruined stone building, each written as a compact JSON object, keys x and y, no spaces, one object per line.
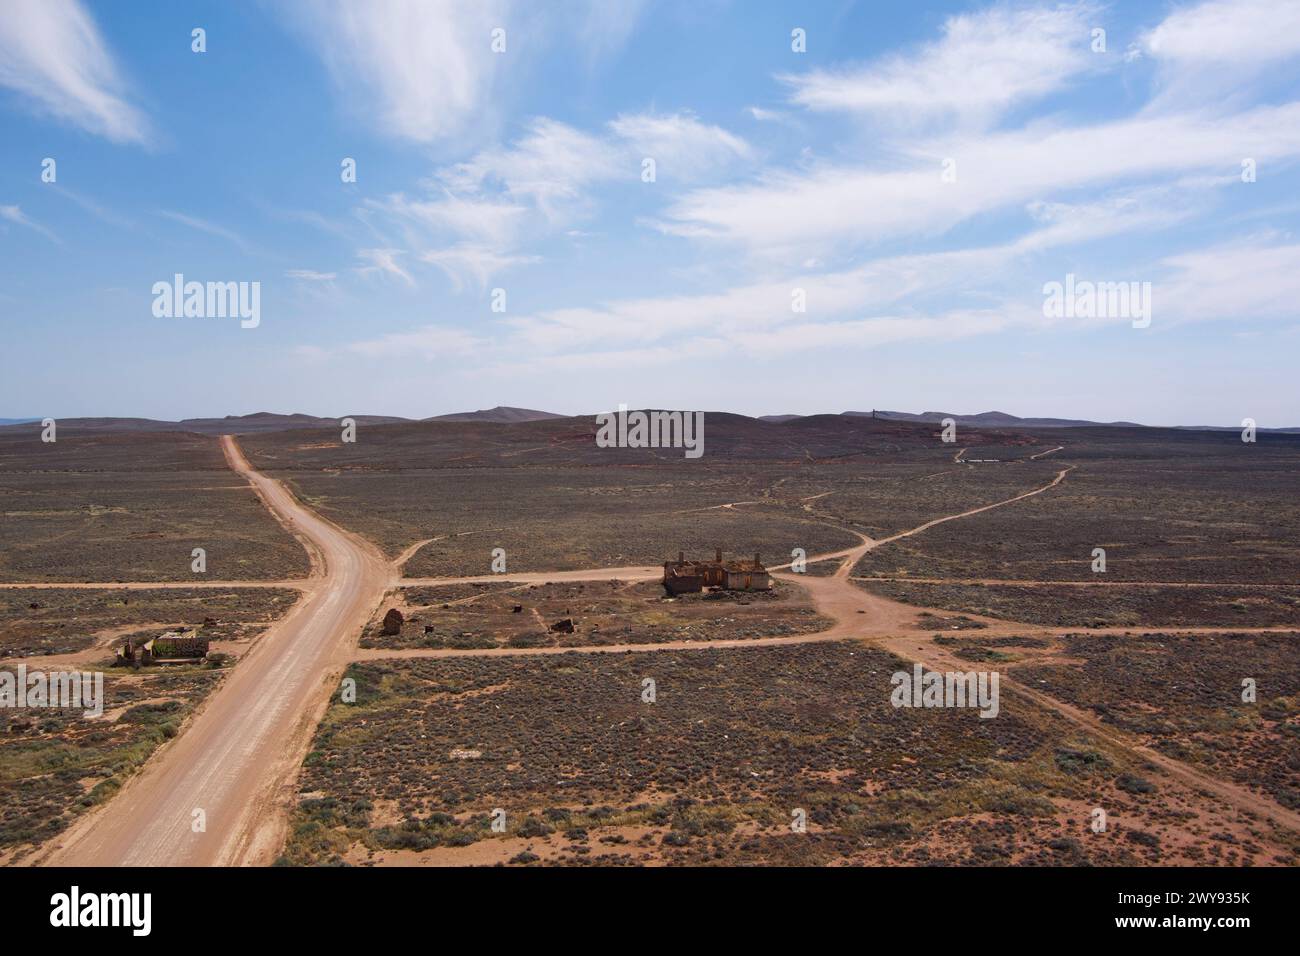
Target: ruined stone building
{"x":684,"y":577}
{"x":170,"y":647}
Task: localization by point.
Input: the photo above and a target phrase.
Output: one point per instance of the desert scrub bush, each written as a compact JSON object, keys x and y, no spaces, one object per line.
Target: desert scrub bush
{"x":888,"y":830}
{"x":528,"y":640}
{"x":103,"y":790}
{"x":368,"y":688}
{"x":1080,"y":762}
{"x":1288,"y":796}
{"x":1131,"y":783}
{"x":1019,"y":802}
{"x":534,"y":827}
{"x":701,"y":821}
{"x":151,"y":713}
{"x":1142,"y":838}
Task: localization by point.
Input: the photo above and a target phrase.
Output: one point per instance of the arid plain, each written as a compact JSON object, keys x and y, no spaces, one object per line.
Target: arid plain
{"x":481,"y":734}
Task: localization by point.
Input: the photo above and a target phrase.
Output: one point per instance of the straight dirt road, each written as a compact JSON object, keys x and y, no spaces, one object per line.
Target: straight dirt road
{"x":236,"y":760}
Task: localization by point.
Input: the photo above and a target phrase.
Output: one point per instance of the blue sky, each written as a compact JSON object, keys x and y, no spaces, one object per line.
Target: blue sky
{"x":775,"y":171}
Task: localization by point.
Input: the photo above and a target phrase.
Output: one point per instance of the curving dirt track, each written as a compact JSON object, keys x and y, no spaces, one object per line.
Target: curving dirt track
{"x":236,"y":759}
{"x":861,"y":615}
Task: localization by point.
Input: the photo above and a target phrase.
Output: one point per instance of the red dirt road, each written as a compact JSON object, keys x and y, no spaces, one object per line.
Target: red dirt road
{"x":237,"y":758}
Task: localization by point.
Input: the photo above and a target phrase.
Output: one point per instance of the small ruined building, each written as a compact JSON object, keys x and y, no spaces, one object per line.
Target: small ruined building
{"x":683,"y":577}
{"x":170,"y":647}
{"x":393,"y":622}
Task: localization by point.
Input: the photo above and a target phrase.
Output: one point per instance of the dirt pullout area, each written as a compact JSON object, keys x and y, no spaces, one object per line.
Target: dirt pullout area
{"x":484,"y":615}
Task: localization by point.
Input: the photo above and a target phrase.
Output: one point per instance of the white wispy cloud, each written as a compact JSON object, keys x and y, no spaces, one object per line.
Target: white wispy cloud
{"x":549,"y":166}
{"x":422,"y":69}
{"x":1254,"y":278}
{"x":478,"y":264}
{"x":479,"y":215}
{"x":96,"y":209}
{"x":682,"y":146}
{"x":984,"y":64}
{"x":430,"y":342}
{"x":211,"y":228}
{"x":898,"y":299}
{"x":604,"y":27}
{"x":1216,"y":52}
{"x":814,"y":210}
{"x":15,"y":215}
{"x":1064,"y":182}
{"x":490,"y":220}
{"x":1250,"y":33}
{"x":310,"y":275}
{"x":383,"y":262}
{"x":53,"y":55}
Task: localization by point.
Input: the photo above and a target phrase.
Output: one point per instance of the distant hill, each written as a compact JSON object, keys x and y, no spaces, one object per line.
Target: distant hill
{"x":980,"y":420}
{"x":991,"y":420}
{"x":231,"y":424}
{"x":1003,"y":420}
{"x":272,"y":422}
{"x":276,"y":422}
{"x":107,"y":424}
{"x":504,"y":414}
